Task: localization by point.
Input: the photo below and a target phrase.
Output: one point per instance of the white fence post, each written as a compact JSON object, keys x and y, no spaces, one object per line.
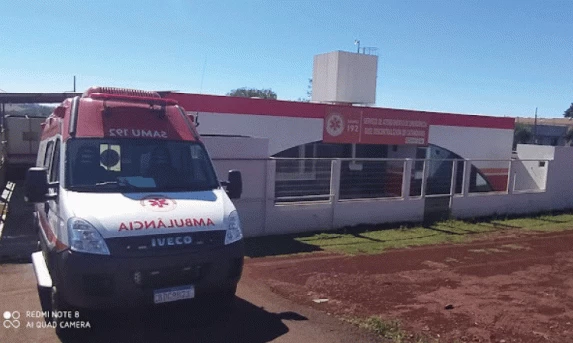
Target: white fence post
{"x":270,"y":191}
{"x":454,"y":178}
{"x":406,"y":178}
{"x":334,"y":187}
{"x":511,"y":178}
{"x":466,"y":179}
{"x":453,"y":182}
{"x":425,"y":172}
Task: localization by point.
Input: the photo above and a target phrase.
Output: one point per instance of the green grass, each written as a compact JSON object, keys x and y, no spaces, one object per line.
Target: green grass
{"x":375,"y":239}
{"x":391,"y":330}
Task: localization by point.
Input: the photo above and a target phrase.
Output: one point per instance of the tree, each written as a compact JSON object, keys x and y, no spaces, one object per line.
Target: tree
{"x":569,"y":136}
{"x":308,"y":96}
{"x":569,"y":112}
{"x":29,"y":109}
{"x":253,"y":93}
{"x":522,"y":134}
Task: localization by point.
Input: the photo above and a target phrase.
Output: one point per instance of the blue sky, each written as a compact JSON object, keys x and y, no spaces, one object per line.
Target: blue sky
{"x":501,"y":58}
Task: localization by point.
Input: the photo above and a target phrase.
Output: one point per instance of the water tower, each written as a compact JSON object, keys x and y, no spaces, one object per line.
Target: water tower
{"x":342,"y":77}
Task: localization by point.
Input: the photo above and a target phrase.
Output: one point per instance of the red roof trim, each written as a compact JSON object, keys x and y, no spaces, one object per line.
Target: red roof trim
{"x":237,"y":105}
{"x":230,"y":104}
{"x":447,"y":119}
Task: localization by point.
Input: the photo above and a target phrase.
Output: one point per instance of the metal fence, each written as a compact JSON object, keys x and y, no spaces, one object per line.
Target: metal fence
{"x":312,"y":179}
{"x":362,"y":179}
{"x":299,"y":179}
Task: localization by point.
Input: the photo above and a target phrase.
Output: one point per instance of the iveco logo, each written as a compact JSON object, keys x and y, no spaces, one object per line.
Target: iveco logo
{"x":170,"y":241}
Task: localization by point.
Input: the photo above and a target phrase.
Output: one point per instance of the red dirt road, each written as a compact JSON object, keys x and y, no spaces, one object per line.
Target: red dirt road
{"x":517,"y":289}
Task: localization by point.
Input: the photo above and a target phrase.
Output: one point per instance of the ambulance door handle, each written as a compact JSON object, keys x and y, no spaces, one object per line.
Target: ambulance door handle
{"x":46,"y":207}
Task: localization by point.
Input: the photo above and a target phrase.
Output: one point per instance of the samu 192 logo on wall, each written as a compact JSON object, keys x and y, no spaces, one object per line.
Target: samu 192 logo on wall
{"x":334,"y":124}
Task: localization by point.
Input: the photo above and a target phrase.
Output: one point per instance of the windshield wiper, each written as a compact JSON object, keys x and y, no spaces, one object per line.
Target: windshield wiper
{"x":119,"y":183}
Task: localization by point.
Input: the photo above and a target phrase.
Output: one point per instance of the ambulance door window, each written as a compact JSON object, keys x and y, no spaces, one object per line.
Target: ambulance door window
{"x":198,"y":164}
{"x":55,"y":167}
{"x":48,"y":154}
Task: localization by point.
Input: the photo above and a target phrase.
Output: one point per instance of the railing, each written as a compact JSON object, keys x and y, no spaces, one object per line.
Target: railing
{"x":312,"y":179}
{"x":302,"y":179}
{"x":363,"y":179}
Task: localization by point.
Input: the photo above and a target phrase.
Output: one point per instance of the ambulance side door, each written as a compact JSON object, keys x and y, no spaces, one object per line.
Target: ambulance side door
{"x":47,"y":152}
{"x":52,"y":206}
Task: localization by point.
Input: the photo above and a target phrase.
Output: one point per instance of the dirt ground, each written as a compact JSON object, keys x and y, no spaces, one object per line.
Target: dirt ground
{"x":512,"y":289}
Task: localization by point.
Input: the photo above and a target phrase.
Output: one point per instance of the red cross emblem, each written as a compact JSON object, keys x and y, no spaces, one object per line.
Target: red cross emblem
{"x":158,"y":202}
{"x":335,"y":124}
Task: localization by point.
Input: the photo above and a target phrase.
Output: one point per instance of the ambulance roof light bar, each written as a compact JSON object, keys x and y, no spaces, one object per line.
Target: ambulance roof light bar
{"x":120,"y":91}
{"x":124,"y":94}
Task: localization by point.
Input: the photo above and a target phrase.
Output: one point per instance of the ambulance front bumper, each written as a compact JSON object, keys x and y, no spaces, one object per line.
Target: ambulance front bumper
{"x":104,"y":282}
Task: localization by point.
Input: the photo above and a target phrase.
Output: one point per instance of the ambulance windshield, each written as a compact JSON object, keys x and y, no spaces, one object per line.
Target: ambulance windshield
{"x":138,"y":165}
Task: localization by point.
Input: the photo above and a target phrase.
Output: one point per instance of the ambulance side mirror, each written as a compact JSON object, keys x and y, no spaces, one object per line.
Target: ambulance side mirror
{"x":37,"y":186}
{"x":235,"y":184}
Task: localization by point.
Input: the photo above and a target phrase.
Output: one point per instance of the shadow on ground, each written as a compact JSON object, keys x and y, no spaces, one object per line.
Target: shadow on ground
{"x":245,"y":322}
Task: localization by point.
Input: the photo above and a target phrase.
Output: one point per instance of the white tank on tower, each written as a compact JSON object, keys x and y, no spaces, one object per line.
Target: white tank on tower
{"x":344,"y":77}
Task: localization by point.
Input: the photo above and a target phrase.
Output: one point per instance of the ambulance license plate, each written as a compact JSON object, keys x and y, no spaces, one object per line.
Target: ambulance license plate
{"x":166,"y":295}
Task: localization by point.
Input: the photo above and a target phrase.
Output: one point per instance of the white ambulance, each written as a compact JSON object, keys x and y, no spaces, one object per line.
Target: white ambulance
{"x":129,"y":209}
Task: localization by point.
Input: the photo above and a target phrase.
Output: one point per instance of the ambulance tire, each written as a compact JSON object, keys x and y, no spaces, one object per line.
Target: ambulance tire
{"x":58,"y":304}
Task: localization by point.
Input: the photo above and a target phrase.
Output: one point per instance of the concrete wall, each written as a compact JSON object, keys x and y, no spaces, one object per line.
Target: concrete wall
{"x":532,"y":174}
{"x":560,"y":179}
{"x":537,"y":188}
{"x":540,"y":189}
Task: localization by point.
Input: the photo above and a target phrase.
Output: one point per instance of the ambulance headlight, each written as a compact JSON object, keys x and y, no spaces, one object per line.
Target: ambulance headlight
{"x":234,"y":232}
{"x":85,"y":238}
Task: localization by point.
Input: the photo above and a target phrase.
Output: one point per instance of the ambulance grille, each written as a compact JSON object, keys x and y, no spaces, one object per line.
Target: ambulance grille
{"x":167,"y":244}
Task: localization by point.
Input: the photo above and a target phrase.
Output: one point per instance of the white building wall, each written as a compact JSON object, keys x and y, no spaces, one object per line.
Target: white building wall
{"x":473,"y":142}
{"x":220,"y":147}
{"x":282,"y":132}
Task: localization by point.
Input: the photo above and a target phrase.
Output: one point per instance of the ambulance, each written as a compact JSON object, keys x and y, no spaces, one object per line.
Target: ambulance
{"x":128,"y":206}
